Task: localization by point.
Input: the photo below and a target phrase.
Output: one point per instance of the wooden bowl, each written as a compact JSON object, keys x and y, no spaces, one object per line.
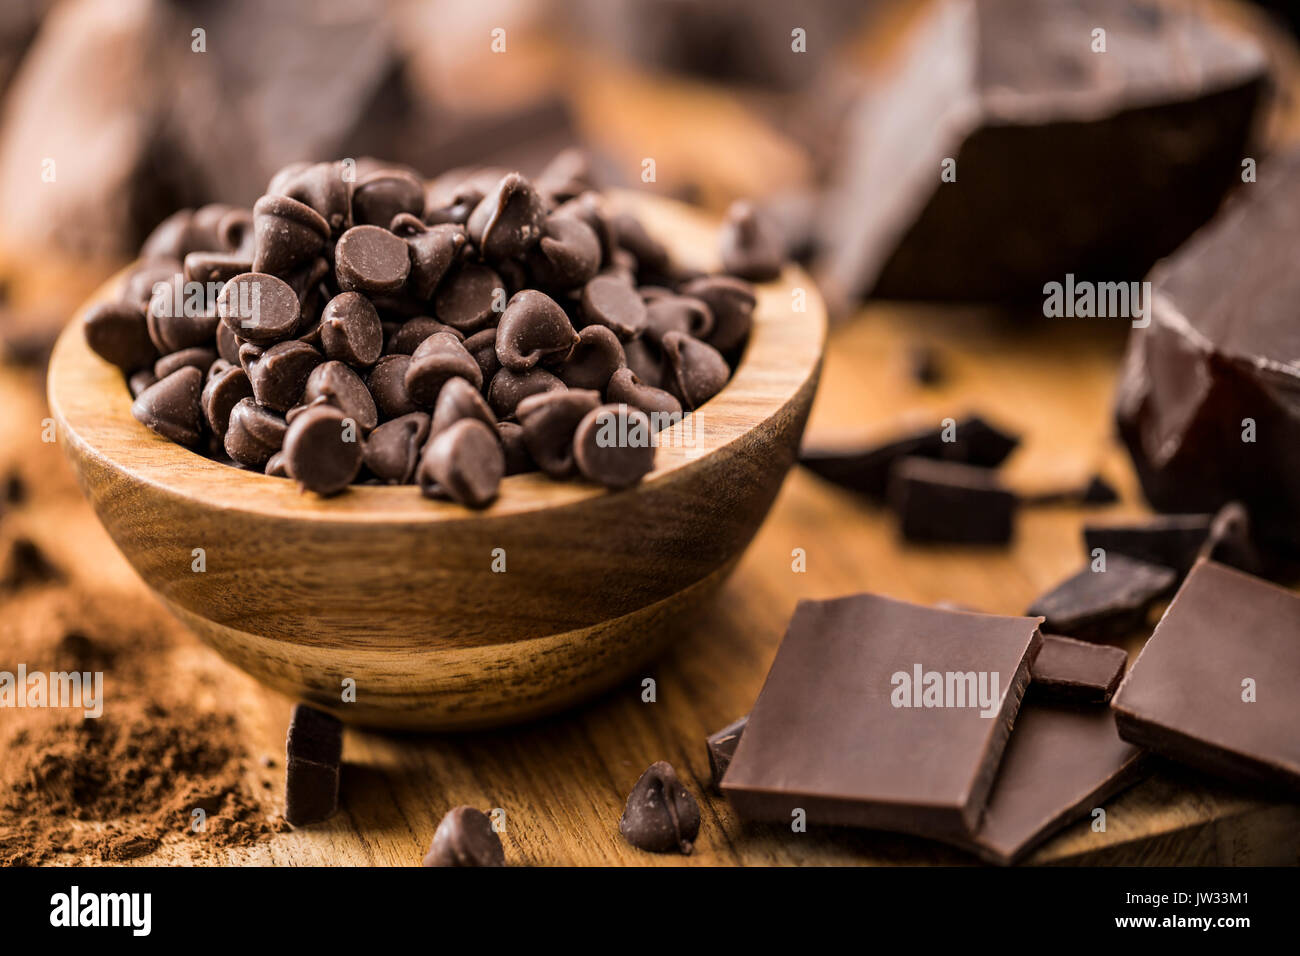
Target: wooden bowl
{"x":398,"y":593}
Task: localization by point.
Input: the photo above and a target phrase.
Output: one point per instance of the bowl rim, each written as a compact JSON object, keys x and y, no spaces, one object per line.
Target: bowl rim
{"x":92,"y":407}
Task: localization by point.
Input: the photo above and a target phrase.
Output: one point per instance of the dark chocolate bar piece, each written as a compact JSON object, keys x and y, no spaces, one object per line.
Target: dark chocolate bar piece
{"x":940,"y":501}
{"x":883,"y":714}
{"x":1215,"y":686}
{"x":1095,"y":605}
{"x":865,"y":468}
{"x":722,"y":747}
{"x":1169,"y":540}
{"x":313,"y":752}
{"x":1034,"y":127}
{"x":1060,"y":764}
{"x":1209,"y":396}
{"x":1076,"y":671}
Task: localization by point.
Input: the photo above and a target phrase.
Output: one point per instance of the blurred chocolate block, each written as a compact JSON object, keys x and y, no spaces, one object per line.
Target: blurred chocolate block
{"x":1209,"y":395}
{"x":1066,"y":160}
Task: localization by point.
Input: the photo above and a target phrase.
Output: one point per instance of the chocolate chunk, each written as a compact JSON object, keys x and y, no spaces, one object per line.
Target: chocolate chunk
{"x":595,"y":357}
{"x":171,"y":408}
{"x":253,"y":433}
{"x":662,"y":407}
{"x":350,"y":330}
{"x":433,"y":250}
{"x":259,"y":308}
{"x":437,"y":359}
{"x":567,"y":255}
{"x":612,"y":301}
{"x":939,"y":501}
{"x":280,"y":374}
{"x":468,"y":297}
{"x":533,"y":329}
{"x":387,"y":382}
{"x":313,"y":752}
{"x":322,"y":450}
{"x":697,"y":371}
{"x":199,"y":358}
{"x":381,"y":196}
{"x":459,"y":399}
{"x":465,"y":463}
{"x":508,"y":221}
{"x":865,"y":468}
{"x":1214,"y":687}
{"x":392,"y":451}
{"x":661,"y":816}
{"x":340,"y":386}
{"x":465,"y":838}
{"x":1135,"y":147}
{"x":1209,"y":396}
{"x":550,"y":420}
{"x":613,"y":446}
{"x":731,"y":302}
{"x":750,"y":245}
{"x":372,"y":260}
{"x":117,"y":333}
{"x":1095,"y":605}
{"x":722,"y":747}
{"x":288,"y":233}
{"x":1076,"y":671}
{"x":509,"y":388}
{"x":1059,"y":764}
{"x":860,"y":686}
{"x":221,"y":394}
{"x":1169,"y":540}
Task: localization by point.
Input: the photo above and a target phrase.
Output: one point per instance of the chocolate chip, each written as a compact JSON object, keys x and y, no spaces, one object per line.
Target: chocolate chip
{"x":677,"y":313}
{"x":199,"y":358}
{"x":751,"y":246}
{"x":439,"y":358}
{"x":228,"y":343}
{"x":223,"y":392}
{"x":392,"y":451}
{"x":483,"y":346}
{"x":253,"y":433}
{"x":340,"y":386}
{"x":626,"y":388}
{"x":313,"y":753}
{"x":697,"y":370}
{"x":387,"y":383}
{"x":567,"y":175}
{"x":509,"y":388}
{"x":141,"y":280}
{"x":350,"y":330}
{"x":568,"y":254}
{"x":516,"y":451}
{"x":613,"y":446}
{"x":465,"y":463}
{"x":612,"y":301}
{"x":287,"y":234}
{"x":508,"y":221}
{"x":117,"y":333}
{"x":732,"y":303}
{"x":170,"y":406}
{"x":322,"y":186}
{"x":215,"y":267}
{"x":459,"y":399}
{"x":469,"y":296}
{"x":183,"y":324}
{"x":279,"y":374}
{"x":408,"y":336}
{"x":370,"y":259}
{"x":661,"y":815}
{"x":465,"y":838}
{"x":549,"y":420}
{"x":597,"y":355}
{"x":276,"y":467}
{"x":383,"y":195}
{"x":322,"y":449}
{"x":589,"y":209}
{"x":259,"y":308}
{"x":432,"y":250}
{"x":651,"y":255}
{"x":646,"y":359}
{"x":533,"y":328}
{"x":140,"y":380}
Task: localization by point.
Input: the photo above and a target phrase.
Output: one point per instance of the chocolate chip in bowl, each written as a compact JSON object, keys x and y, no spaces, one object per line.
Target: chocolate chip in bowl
{"x":577,"y":481}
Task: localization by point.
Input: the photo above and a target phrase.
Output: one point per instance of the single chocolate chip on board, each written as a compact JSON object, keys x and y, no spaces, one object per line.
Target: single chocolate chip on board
{"x":322,"y":450}
{"x":613,"y":446}
{"x":465,"y":837}
{"x":661,"y":815}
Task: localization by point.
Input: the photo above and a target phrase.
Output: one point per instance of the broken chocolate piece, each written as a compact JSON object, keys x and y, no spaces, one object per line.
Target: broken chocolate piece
{"x":1214,"y":687}
{"x":465,"y":838}
{"x":722,"y":747}
{"x":661,"y":815}
{"x":860,"y":686}
{"x":1096,"y":605}
{"x":313,"y":751}
{"x":1076,"y":671}
{"x":944,"y":501}
{"x":1169,"y":540}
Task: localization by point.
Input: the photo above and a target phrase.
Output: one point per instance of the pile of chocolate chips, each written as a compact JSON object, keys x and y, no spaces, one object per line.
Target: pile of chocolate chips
{"x":362,"y":325}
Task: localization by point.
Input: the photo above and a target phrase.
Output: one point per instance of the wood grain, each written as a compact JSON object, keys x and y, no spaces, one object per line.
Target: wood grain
{"x":399,"y":593}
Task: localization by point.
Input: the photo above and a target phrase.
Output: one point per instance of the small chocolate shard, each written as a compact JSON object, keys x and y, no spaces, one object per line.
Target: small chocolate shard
{"x":1096,"y":605}
{"x":722,"y":747}
{"x":661,"y":816}
{"x":1169,"y":540}
{"x":1076,"y":671}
